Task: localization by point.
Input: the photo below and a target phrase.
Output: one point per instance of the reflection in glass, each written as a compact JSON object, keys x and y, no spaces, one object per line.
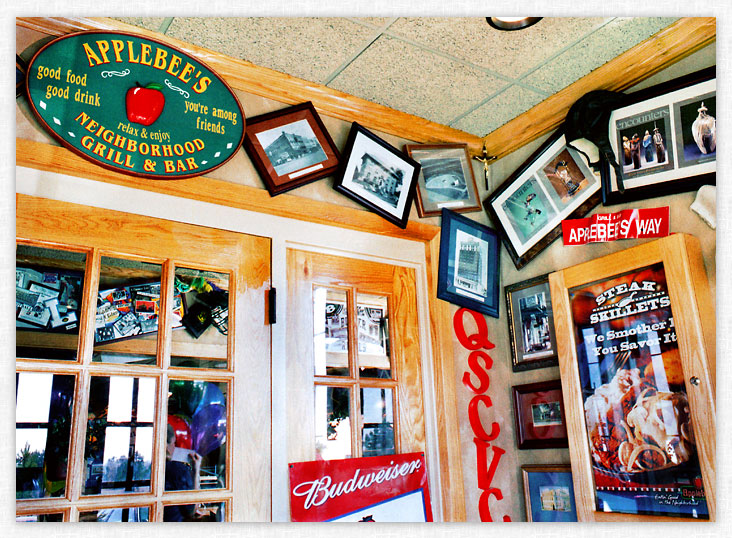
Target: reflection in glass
{"x":330,"y":335}
{"x":205,"y":512}
{"x":39,"y":518}
{"x":43,"y":410}
{"x":119,"y":440}
{"x":203,"y":310}
{"x":127,"y":306}
{"x":373,"y":336}
{"x":132,"y":514}
{"x":332,"y":423}
{"x":48,"y":291}
{"x":377,"y":434}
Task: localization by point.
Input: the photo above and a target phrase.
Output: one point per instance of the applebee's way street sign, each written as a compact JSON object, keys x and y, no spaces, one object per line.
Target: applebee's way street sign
{"x":135,"y":105}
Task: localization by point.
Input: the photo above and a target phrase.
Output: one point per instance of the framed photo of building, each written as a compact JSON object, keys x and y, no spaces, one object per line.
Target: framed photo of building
{"x":290,"y":147}
{"x":446,"y":179}
{"x":377,"y":175}
{"x":468,"y":271}
{"x":554,"y":184}
{"x":539,"y":413}
{"x":549,"y":493}
{"x":531,"y":324}
{"x":665,"y":140}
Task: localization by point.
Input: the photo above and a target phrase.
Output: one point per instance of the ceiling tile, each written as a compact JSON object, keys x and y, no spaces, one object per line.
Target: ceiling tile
{"x":376,"y":22}
{"x":595,"y":50}
{"x":148,"y":23}
{"x":499,"y":110}
{"x":508,"y":53}
{"x":305,"y":47}
{"x":407,"y":78}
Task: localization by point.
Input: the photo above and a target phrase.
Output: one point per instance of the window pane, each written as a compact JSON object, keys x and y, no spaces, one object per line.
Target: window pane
{"x":377,"y":435}
{"x":332,"y":423}
{"x":196,"y":431}
{"x":204,"y":307}
{"x":373,"y":337}
{"x":126,"y":326}
{"x":43,"y":409}
{"x":116,"y":515}
{"x":48,"y":291}
{"x":35,"y":518}
{"x":213,"y":511}
{"x":119,"y":440}
{"x":330,"y":336}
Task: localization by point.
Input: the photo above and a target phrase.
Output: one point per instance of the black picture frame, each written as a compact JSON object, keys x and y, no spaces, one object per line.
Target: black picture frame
{"x":377,"y":175}
{"x":553,"y":184}
{"x":531,"y":324}
{"x":686,"y":166}
{"x":271,"y":151}
{"x":470,"y":288}
{"x":539,"y":415}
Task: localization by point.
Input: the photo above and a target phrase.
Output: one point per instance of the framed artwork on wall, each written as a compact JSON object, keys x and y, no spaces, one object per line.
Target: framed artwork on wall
{"x":290,"y":147}
{"x":468,"y":271}
{"x":549,"y":493}
{"x":554,"y":184}
{"x":531,"y":324}
{"x":446,"y":179}
{"x":377,"y":175}
{"x":665,"y":140}
{"x":539,"y":414}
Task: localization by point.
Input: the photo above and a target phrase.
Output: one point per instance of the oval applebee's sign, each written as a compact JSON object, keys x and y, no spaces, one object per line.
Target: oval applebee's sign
{"x":135,"y":105}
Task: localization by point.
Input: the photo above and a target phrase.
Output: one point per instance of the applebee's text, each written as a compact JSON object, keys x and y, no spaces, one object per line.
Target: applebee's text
{"x":476,"y":343}
{"x":317,"y":492}
{"x":625,"y":224}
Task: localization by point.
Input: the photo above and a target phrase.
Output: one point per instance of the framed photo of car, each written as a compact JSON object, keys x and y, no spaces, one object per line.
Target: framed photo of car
{"x":664,"y":140}
{"x":468,"y":270}
{"x":549,"y":493}
{"x":290,"y":147}
{"x":446,"y":179}
{"x":377,"y":175}
{"x":636,"y":341}
{"x":531,"y":324}
{"x":539,"y":414}
{"x":554,"y":184}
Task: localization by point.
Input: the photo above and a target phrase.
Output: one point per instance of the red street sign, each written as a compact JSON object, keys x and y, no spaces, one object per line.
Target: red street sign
{"x":625,"y":224}
{"x":379,"y":489}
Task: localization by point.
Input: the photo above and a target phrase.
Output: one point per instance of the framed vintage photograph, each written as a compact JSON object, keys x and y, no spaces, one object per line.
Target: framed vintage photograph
{"x":446,"y":179}
{"x":665,"y":140}
{"x":539,"y":413}
{"x":377,"y":175}
{"x":549,"y":493}
{"x":554,"y":184}
{"x":531,"y":324}
{"x":290,"y":147}
{"x":468,"y":271}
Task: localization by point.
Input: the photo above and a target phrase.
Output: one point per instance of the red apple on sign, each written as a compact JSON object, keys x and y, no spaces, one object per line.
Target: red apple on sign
{"x":144,"y":105}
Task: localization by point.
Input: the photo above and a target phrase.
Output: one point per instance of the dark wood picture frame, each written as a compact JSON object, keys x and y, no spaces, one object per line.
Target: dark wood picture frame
{"x":546,"y":429}
{"x":558,"y":200}
{"x":478,"y":296}
{"x":280,"y":176}
{"x":686,"y":168}
{"x":441,"y":172}
{"x":370,"y":172}
{"x":557,"y":475}
{"x":541,"y":318}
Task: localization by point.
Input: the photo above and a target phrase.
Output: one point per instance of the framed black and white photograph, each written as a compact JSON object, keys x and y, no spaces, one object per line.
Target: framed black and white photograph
{"x":531,"y":324}
{"x":290,"y":147}
{"x":446,"y":179}
{"x":554,"y":184}
{"x":665,"y":140}
{"x":468,"y":270}
{"x":377,"y":175}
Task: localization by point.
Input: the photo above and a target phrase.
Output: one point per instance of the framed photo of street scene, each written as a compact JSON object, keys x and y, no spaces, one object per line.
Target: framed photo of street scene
{"x":377,"y":175}
{"x":665,"y":140}
{"x":549,"y":493}
{"x":290,"y":147}
{"x":468,"y":270}
{"x":554,"y":184}
{"x":539,"y":413}
{"x":446,"y":179}
{"x":531,"y":324}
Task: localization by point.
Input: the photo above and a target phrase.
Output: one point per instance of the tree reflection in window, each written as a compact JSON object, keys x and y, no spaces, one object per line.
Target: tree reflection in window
{"x":119,"y":438}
